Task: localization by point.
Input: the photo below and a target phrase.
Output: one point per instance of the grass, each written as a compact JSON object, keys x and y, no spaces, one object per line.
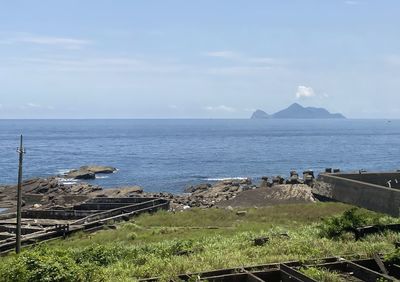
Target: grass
{"x":322,"y":274}
{"x":167,"y":244}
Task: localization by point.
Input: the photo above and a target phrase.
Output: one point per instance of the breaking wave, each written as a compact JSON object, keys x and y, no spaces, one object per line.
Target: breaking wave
{"x":67,"y":181}
{"x":63,"y":171}
{"x":226,"y":178}
{"x":101,"y":176}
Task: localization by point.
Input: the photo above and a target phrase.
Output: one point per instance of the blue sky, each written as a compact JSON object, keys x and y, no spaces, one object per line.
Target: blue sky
{"x":197,"y":59}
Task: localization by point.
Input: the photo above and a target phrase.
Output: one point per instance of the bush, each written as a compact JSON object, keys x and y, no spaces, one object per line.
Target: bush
{"x":335,"y":226}
{"x":181,"y":247}
{"x":101,"y":255}
{"x":43,"y":265}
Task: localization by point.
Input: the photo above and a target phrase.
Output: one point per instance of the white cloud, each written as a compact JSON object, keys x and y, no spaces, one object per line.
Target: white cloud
{"x":33,"y":105}
{"x":242,"y":58}
{"x":241,"y":64}
{"x":263,"y":60}
{"x":222,"y":54}
{"x":96,"y":64}
{"x":220,"y":108}
{"x":351,"y":2}
{"x":239,"y":70}
{"x":63,"y":42}
{"x":304,"y":92}
{"x":392,"y":60}
{"x":36,"y":106}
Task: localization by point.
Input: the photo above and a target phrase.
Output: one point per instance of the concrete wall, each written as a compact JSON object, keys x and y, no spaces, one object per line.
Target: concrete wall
{"x":56,"y":214}
{"x":131,"y":200}
{"x":378,"y":178}
{"x":362,"y":194}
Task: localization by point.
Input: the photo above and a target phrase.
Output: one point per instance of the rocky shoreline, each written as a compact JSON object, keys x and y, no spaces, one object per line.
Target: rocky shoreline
{"x":52,"y":192}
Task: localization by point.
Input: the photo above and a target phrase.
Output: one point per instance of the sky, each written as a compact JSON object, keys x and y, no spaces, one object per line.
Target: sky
{"x":198,"y":59}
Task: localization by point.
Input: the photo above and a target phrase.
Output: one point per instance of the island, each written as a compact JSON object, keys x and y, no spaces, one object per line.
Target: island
{"x":297,"y":111}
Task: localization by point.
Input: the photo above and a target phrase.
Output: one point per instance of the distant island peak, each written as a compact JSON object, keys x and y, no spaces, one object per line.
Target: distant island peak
{"x":297,"y":111}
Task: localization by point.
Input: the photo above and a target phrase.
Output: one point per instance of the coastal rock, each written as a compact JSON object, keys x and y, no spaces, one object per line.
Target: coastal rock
{"x":99,"y":169}
{"x":264,"y":182}
{"x":275,"y":195}
{"x":48,"y":192}
{"x":89,"y":172}
{"x":81,"y":174}
{"x":200,"y":187}
{"x":322,"y":189}
{"x":131,"y":190}
{"x":206,"y":195}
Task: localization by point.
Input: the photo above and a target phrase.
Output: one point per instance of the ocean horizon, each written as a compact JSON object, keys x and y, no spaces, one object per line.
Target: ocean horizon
{"x":171,"y":154}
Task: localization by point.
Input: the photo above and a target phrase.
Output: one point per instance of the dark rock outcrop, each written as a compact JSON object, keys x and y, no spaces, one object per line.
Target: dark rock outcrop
{"x":99,"y":169}
{"x":89,"y":172}
{"x":47,"y":192}
{"x":81,"y":174}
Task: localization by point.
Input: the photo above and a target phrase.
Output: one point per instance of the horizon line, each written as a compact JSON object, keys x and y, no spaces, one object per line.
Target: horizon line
{"x":189,"y":118}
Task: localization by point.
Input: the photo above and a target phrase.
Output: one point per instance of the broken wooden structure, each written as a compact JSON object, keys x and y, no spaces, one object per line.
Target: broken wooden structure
{"x":94,"y":214}
{"x":370,"y":269}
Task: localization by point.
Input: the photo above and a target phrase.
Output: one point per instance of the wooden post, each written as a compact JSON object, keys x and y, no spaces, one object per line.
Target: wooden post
{"x":21,"y":152}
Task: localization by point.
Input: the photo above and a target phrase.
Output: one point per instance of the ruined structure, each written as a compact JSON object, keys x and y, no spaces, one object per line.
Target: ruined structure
{"x":368,"y":269}
{"x":94,"y":214}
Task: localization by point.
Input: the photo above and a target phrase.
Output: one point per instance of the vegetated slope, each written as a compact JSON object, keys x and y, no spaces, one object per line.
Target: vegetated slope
{"x":166,"y":244}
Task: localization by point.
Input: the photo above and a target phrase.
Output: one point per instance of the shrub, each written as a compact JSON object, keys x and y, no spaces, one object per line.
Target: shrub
{"x":43,"y":265}
{"x":101,"y":255}
{"x":337,"y":225}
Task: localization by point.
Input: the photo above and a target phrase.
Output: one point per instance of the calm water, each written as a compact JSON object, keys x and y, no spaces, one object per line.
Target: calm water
{"x":167,"y":155}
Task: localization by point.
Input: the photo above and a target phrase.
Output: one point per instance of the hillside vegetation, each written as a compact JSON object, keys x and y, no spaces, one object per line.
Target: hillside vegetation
{"x":166,"y":244}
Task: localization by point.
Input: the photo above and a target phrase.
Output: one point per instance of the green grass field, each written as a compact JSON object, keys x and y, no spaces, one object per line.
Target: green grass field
{"x":166,"y":244}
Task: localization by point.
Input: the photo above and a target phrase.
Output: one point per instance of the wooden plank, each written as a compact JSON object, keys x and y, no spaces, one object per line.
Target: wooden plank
{"x":366,"y":274}
{"x":251,"y":277}
{"x":380,"y":264}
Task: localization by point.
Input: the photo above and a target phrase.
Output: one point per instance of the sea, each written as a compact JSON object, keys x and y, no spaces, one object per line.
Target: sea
{"x":169,"y":155}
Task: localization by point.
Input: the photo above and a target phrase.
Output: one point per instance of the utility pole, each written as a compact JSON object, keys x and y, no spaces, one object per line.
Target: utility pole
{"x":21,"y":152}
